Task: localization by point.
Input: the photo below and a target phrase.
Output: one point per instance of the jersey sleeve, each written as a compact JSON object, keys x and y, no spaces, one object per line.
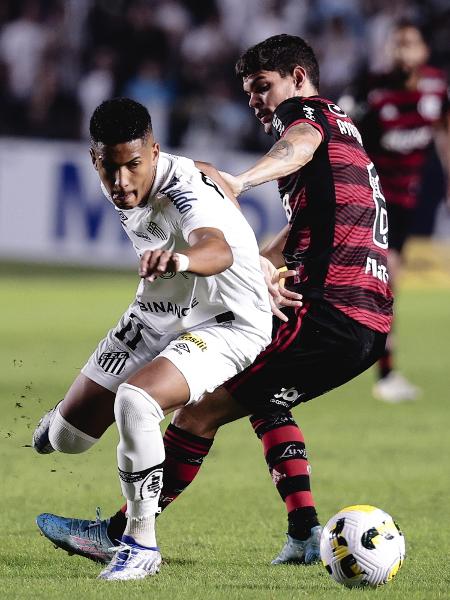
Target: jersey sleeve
{"x":199,"y":202}
{"x":299,"y":110}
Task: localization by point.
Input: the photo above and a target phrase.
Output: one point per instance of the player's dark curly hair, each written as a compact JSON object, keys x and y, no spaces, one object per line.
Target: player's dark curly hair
{"x":280,"y":53}
{"x":119,"y":120}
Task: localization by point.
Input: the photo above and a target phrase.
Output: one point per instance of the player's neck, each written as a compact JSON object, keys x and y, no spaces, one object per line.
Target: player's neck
{"x":307,"y":90}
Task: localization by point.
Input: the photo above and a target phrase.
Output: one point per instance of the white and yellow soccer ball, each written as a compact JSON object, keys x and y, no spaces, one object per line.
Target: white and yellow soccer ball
{"x":362,"y":546}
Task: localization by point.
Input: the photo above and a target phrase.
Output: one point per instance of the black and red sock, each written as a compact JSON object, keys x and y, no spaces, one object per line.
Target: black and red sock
{"x":184,"y":457}
{"x":284,"y":450}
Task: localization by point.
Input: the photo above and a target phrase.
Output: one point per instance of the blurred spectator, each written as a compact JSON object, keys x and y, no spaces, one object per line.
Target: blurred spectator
{"x":22,"y":43}
{"x":339,"y":57}
{"x":177,"y":56}
{"x":149,"y":87}
{"x":96,"y":85}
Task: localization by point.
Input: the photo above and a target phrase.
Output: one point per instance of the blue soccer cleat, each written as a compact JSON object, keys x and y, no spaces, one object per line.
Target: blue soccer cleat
{"x":304,"y":552}
{"x":40,"y":441}
{"x":132,"y":561}
{"x":76,"y":536}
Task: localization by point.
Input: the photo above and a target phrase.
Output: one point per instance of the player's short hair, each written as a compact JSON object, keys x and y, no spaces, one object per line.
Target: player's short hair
{"x":119,"y":120}
{"x":280,"y":53}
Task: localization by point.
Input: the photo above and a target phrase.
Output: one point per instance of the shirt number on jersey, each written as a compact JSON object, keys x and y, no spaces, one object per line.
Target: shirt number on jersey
{"x":380,"y":226}
{"x":287,"y":207}
{"x":136,"y":335}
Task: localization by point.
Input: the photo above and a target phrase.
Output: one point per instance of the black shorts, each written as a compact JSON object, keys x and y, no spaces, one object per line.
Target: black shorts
{"x":400,"y":220}
{"x":318,"y":349}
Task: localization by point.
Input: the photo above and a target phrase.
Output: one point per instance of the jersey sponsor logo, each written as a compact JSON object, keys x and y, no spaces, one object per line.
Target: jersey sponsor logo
{"x":181,"y":199}
{"x":195,"y":339}
{"x":165,"y":306}
{"x":376,"y":270}
{"x":113,"y":362}
{"x":308,"y":111}
{"x":348,"y":128}
{"x":405,"y":141}
{"x":294,"y":451}
{"x":156,"y":230}
{"x":285,"y":397}
{"x":278,"y":125}
{"x":336,"y":110}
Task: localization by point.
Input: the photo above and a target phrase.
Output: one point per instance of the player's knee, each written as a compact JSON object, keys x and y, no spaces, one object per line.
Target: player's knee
{"x":189,"y":420}
{"x":134,"y":409}
{"x":66,"y":438}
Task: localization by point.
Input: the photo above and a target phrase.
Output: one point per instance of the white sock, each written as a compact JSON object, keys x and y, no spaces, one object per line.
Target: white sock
{"x":140,"y":455}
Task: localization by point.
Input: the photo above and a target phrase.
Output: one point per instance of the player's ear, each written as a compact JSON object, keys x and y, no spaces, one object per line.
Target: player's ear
{"x":155,"y":151}
{"x":299,"y":75}
{"x":93,"y":158}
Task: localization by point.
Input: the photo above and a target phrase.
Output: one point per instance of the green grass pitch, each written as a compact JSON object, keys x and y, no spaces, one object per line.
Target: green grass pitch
{"x":218,"y":538}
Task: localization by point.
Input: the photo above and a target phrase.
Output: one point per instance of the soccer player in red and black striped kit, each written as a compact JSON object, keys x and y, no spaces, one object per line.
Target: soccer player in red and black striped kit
{"x":398,"y":115}
{"x":336,"y":242}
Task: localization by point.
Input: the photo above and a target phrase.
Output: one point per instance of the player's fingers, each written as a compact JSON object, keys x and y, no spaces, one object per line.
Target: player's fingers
{"x":163,"y":261}
{"x":154,"y":260}
{"x":288,"y":302}
{"x":143,"y":264}
{"x":287,"y":273}
{"x":289,"y":294}
{"x":277,"y":312}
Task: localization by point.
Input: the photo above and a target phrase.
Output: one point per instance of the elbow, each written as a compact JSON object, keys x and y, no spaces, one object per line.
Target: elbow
{"x":228,"y":257}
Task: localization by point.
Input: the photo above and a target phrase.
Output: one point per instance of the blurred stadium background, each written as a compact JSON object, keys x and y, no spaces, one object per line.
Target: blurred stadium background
{"x":58,"y":60}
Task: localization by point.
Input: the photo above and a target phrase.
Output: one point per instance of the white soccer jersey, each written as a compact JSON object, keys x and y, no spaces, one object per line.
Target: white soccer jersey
{"x":183,"y":199}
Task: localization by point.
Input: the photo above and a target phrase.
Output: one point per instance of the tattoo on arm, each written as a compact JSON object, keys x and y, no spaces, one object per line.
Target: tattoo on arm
{"x":246,"y":186}
{"x":281,"y":150}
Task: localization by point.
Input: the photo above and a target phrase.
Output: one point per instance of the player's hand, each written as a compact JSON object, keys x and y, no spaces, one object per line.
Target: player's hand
{"x":157,"y":262}
{"x":233,"y":182}
{"x":279,"y":296}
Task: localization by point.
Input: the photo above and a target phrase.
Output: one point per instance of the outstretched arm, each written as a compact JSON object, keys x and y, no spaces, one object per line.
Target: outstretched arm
{"x":208,"y":254}
{"x":286,"y":156}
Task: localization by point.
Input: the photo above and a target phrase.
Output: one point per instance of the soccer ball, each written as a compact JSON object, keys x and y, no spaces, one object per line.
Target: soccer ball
{"x":362,"y":546}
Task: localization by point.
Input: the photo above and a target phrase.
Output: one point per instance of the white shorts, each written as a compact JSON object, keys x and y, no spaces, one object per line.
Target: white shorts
{"x":207,"y":355}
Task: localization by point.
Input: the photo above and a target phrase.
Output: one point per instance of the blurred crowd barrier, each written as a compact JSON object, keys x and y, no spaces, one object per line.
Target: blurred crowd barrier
{"x":52,"y":209}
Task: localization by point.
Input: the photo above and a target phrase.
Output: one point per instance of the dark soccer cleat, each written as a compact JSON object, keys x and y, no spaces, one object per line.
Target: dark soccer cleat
{"x":40,"y":441}
{"x":78,"y":536}
{"x":304,"y":552}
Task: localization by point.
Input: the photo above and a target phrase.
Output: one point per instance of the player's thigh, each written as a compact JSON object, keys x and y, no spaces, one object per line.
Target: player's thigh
{"x":196,"y":362}
{"x":88,"y":406}
{"x":204,"y":417}
{"x":329,"y":350}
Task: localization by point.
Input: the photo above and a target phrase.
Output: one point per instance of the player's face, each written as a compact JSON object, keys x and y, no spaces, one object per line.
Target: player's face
{"x":409,"y":49}
{"x":266,"y":90}
{"x":127,"y":170}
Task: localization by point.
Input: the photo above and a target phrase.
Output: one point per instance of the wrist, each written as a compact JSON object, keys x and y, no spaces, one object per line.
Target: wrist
{"x":182,"y":262}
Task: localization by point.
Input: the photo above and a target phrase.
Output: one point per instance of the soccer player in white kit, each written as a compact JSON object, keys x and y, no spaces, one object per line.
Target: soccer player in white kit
{"x":201,"y":315}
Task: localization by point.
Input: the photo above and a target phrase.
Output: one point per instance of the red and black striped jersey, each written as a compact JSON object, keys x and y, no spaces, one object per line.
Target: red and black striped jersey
{"x":337,"y":240}
{"x":397,"y":129}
